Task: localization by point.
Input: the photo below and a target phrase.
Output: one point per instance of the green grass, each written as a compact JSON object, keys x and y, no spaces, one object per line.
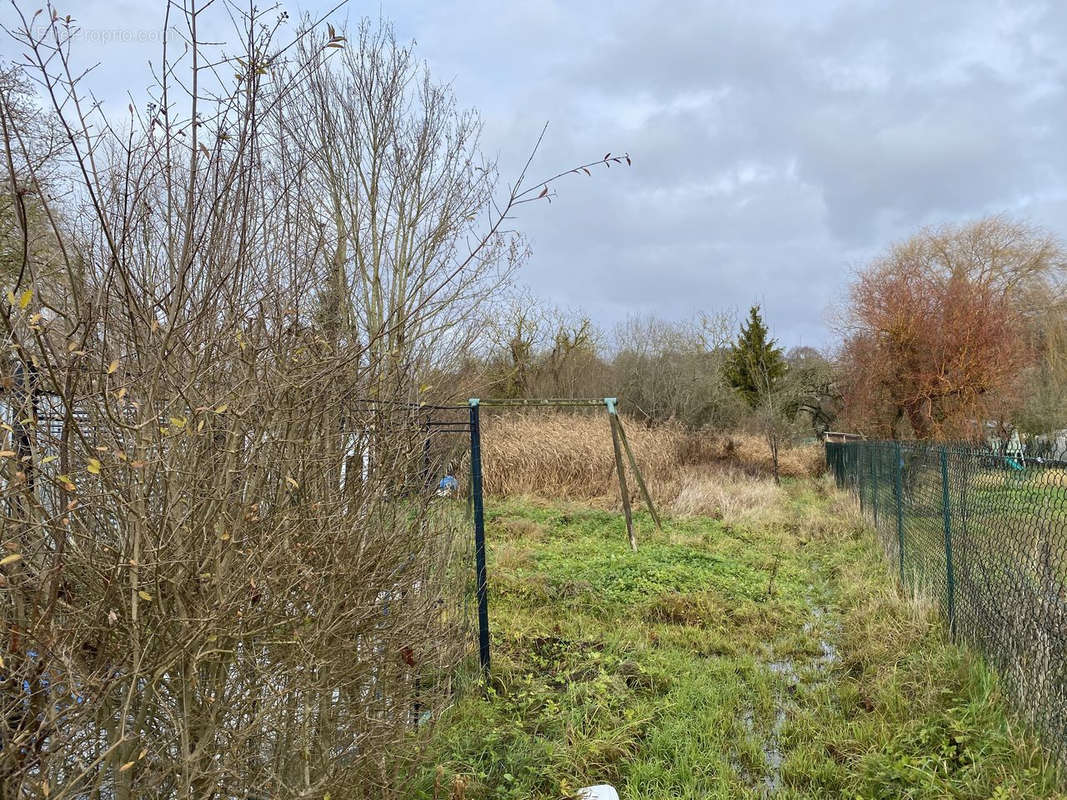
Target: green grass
{"x":719,"y":662}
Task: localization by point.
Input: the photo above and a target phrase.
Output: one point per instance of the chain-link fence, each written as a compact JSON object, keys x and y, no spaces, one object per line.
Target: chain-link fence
{"x":984,"y":535}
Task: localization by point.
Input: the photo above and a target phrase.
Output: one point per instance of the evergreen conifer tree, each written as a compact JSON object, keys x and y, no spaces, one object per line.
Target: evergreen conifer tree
{"x":755,"y":364}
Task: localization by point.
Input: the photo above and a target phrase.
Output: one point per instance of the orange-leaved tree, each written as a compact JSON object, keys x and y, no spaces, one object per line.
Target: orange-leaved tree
{"x":937,"y":331}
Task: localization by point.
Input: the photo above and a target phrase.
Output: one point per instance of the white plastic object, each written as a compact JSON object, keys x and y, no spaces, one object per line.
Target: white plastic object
{"x":601,"y":791}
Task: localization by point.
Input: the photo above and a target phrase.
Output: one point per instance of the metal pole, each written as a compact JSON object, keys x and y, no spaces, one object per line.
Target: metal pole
{"x":479,"y":537}
{"x":860,"y":488}
{"x":543,"y":402}
{"x":898,"y":491}
{"x":876,"y":473}
{"x":949,"y":577}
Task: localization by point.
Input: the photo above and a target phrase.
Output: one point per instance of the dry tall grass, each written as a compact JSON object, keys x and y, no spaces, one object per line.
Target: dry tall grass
{"x":568,"y":455}
{"x":564,"y":455}
{"x":725,"y":493}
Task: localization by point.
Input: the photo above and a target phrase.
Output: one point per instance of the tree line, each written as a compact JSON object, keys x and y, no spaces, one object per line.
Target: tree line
{"x":959,"y":332}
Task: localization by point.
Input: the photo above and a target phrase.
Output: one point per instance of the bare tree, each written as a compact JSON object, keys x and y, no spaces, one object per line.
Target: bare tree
{"x":668,"y":370}
{"x":403,"y":191}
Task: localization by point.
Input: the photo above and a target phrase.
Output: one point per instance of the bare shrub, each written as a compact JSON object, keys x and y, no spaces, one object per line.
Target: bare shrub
{"x":749,"y":452}
{"x":222,"y":572}
{"x":220,"y":576}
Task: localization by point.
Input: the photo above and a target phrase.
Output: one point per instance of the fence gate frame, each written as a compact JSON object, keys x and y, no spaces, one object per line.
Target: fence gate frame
{"x":618,"y":437}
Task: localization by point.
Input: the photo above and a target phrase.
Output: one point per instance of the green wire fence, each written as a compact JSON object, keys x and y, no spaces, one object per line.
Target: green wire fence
{"x":984,"y":535}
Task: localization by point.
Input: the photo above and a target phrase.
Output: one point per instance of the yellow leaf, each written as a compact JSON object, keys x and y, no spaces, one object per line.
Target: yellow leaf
{"x":292,"y":481}
{"x":10,"y":297}
{"x":121,"y":393}
{"x":177,"y":422}
{"x":114,"y":365}
{"x":25,"y":299}
{"x":93,"y":467}
{"x":11,"y":559}
{"x":47,"y":460}
{"x":145,"y":596}
{"x":126,"y":766}
{"x":222,"y":409}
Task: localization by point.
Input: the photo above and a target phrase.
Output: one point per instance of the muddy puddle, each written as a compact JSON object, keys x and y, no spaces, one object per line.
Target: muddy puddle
{"x":790,"y":673}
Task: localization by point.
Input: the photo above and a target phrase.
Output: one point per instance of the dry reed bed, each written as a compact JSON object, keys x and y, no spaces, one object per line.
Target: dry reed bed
{"x":570,"y":456}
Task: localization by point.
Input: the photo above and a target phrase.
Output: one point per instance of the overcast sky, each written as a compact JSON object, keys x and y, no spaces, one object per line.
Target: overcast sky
{"x":776,"y":145}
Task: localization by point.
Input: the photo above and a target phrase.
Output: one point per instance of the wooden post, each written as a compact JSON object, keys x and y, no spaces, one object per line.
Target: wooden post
{"x":637,"y":472}
{"x":622,"y":475}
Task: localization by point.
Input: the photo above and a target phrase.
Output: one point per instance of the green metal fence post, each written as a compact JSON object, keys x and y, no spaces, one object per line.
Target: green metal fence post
{"x":949,"y":577}
{"x":898,"y":492}
{"x":875,"y":475}
{"x":479,"y":537}
{"x":860,"y":450}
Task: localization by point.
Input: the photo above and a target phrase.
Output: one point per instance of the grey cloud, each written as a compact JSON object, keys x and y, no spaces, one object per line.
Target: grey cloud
{"x":776,"y":145}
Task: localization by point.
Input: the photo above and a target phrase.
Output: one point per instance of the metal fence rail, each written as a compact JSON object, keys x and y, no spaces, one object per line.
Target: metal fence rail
{"x":984,"y":535}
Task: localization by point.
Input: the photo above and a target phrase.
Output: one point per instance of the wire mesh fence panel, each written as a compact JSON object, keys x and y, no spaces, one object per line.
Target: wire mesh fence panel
{"x":983,"y":535}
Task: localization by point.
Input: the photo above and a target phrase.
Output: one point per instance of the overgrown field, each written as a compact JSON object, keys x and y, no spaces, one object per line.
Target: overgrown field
{"x":568,"y":455}
{"x":762,"y":653}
